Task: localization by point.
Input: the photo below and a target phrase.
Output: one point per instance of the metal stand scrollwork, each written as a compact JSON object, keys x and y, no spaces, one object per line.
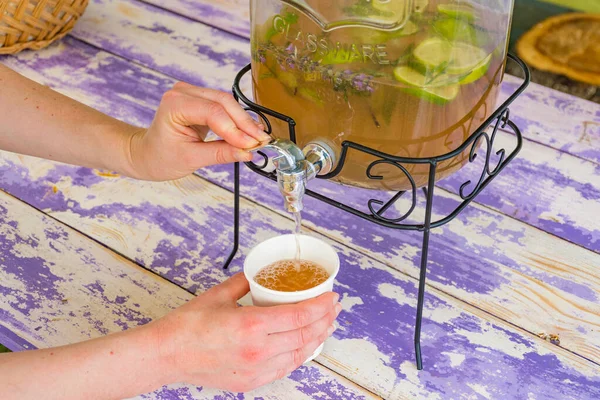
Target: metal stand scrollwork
{"x":500,"y":118}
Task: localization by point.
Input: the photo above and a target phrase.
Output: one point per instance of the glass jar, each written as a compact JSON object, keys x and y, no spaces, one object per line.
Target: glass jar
{"x":410,"y":78}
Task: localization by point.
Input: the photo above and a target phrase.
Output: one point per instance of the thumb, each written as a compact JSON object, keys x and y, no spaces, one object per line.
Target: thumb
{"x":218,"y":152}
{"x":233,"y":288}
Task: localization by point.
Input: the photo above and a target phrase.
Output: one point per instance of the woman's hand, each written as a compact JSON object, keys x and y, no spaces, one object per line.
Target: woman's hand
{"x":212,"y":342}
{"x":40,"y":122}
{"x":173,"y":146}
{"x":209,"y":341}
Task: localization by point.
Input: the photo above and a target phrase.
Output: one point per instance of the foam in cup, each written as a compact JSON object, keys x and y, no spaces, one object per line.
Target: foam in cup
{"x":284,"y":248}
{"x":291,"y":275}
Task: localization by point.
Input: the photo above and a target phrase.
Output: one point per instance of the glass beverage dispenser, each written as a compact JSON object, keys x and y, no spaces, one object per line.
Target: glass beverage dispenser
{"x":410,"y":78}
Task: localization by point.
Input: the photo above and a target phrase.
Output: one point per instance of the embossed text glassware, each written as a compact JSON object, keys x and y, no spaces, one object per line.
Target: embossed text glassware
{"x":411,"y":78}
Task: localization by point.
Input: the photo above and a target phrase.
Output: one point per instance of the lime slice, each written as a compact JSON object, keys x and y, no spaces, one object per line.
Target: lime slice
{"x":266,"y":75}
{"x":340,"y":56}
{"x":457,"y":11}
{"x":410,"y":28}
{"x":454,"y":58}
{"x":456,"y":30}
{"x":433,"y":52}
{"x":379,"y":37}
{"x":478,"y":72}
{"x":310,"y":95}
{"x":409,"y":76}
{"x":439,"y":95}
{"x":418,"y":86}
{"x":271,"y":32}
{"x":419,"y":6}
{"x":413,"y":77}
{"x":390,"y":6}
{"x":465,"y":58}
{"x":289,"y":18}
{"x":288,"y":79}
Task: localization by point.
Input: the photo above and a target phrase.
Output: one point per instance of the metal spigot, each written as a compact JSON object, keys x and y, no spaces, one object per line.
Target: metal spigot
{"x":295,"y":167}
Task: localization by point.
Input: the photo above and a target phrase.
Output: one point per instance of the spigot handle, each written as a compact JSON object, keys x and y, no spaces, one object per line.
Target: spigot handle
{"x":289,"y":155}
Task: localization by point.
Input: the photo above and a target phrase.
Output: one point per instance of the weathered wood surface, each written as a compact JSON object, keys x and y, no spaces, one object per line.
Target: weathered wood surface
{"x":308,"y":382}
{"x":545,"y":115}
{"x":170,"y":246}
{"x":58,"y":287}
{"x":223,"y":14}
{"x":537,"y":174}
{"x":173,"y":227}
{"x":98,"y":82}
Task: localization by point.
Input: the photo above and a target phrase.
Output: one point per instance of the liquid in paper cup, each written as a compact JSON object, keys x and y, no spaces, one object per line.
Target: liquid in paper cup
{"x":282,"y":248}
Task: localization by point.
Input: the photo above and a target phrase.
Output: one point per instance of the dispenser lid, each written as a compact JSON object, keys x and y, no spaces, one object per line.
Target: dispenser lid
{"x":379,"y":14}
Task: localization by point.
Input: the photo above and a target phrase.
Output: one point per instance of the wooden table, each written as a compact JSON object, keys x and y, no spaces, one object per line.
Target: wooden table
{"x":85,"y":252}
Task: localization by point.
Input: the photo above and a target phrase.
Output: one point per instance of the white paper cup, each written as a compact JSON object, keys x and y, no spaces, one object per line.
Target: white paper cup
{"x":284,"y":247}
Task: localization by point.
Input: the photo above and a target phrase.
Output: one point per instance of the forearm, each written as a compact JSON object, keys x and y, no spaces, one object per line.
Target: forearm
{"x":40,"y":122}
{"x":113,"y":367}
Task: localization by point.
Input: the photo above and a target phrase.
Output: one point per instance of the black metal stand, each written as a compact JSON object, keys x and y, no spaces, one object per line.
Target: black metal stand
{"x":499,"y":118}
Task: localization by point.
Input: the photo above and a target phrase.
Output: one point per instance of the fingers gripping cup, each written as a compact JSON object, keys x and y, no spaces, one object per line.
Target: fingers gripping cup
{"x":284,"y":248}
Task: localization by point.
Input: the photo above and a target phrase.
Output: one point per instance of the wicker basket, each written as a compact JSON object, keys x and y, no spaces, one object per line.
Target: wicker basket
{"x":36,"y":24}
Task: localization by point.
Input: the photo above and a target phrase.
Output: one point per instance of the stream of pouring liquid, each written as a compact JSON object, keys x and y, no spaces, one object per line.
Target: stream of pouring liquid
{"x":298,"y":221}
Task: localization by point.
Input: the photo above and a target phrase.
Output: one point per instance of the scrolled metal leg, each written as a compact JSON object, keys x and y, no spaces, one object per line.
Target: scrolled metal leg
{"x":423,"y":272}
{"x":236,"y":214}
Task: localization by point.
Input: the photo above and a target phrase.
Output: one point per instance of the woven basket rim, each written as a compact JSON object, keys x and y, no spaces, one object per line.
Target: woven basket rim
{"x":34,"y":28}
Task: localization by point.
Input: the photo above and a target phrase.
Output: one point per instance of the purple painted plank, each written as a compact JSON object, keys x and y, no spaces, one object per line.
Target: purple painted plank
{"x":13,"y":341}
{"x":205,"y":56}
{"x":553,"y":191}
{"x":230,"y":15}
{"x":58,"y":287}
{"x":463,"y":352}
{"x":307,"y":382}
{"x":39,"y":293}
{"x":545,"y":115}
{"x":556,"y":119}
{"x":491,"y":356}
{"x":119,"y":74}
{"x":453,"y":264}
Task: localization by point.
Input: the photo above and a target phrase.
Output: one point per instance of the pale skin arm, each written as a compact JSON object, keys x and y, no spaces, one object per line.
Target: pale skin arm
{"x":40,"y":122}
{"x":115,"y":366}
{"x":209,"y":341}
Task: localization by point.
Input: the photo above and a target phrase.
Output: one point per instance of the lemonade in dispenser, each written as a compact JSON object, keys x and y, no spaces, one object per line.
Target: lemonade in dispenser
{"x":411,"y":78}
